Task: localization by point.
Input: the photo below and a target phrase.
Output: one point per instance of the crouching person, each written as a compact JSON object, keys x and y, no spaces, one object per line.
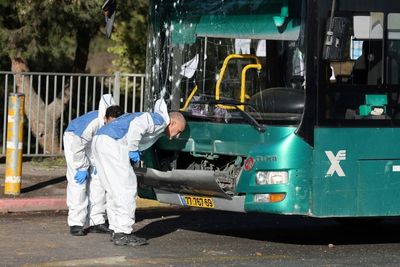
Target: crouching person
{"x":85,"y":196}
{"x":115,"y":147}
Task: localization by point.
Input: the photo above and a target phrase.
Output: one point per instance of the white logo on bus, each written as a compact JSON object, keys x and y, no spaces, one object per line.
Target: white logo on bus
{"x":335,"y":162}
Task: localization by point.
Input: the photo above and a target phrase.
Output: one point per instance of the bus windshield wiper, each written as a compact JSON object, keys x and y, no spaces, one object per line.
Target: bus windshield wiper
{"x":250,"y":119}
{"x":230,"y":102}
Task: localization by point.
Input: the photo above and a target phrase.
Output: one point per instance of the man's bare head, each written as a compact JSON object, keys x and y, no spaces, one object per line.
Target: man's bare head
{"x":176,"y":125}
{"x":112,"y":112}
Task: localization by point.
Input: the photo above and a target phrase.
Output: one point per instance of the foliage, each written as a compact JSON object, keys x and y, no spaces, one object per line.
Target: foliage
{"x":130,"y":35}
{"x":44,"y":32}
{"x":48,"y":163}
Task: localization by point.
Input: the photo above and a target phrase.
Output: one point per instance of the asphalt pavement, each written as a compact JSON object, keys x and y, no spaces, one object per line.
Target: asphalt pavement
{"x":180,"y":237}
{"x":201,"y":237}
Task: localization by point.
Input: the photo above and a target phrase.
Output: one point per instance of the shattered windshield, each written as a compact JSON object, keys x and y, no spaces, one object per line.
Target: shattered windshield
{"x":214,"y":59}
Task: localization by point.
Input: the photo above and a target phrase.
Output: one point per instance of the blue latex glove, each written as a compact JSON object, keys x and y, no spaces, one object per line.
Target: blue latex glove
{"x":134,"y":156}
{"x":80,"y":176}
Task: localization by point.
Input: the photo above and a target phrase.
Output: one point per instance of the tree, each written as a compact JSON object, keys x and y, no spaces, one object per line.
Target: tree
{"x":130,"y":36}
{"x":40,"y":33}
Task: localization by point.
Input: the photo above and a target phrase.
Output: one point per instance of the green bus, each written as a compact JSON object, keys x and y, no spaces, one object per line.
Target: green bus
{"x":292,"y":106}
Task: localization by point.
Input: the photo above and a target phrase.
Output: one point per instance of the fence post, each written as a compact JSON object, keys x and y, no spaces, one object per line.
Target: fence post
{"x":116,"y":91}
{"x":15,"y":126}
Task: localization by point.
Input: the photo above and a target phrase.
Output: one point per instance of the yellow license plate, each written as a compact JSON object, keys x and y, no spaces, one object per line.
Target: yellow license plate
{"x":202,"y":202}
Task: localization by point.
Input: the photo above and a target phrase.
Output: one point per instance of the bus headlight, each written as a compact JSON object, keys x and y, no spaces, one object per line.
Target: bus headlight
{"x":272,"y":177}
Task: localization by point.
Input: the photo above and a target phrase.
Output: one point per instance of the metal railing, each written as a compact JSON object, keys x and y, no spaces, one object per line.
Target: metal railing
{"x":52,"y":100}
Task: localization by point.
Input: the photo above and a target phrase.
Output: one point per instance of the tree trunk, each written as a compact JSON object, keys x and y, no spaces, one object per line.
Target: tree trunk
{"x":82,"y":50}
{"x":42,"y":129}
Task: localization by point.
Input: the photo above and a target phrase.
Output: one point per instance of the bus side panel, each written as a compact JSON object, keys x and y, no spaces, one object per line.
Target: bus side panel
{"x":378,"y":188}
{"x":355,"y":172}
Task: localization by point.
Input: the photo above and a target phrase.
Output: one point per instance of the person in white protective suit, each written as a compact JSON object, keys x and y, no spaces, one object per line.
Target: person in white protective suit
{"x":115,"y":147}
{"x":85,"y":195}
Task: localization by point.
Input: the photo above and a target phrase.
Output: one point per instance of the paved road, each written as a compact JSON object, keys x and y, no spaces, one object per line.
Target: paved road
{"x":201,"y":238}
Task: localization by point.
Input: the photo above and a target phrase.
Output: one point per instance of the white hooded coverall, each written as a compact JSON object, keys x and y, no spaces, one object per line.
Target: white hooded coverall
{"x":87,"y":198}
{"x":111,"y":146}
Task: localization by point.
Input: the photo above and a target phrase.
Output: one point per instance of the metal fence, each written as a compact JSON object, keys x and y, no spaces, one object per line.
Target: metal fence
{"x":55,"y":99}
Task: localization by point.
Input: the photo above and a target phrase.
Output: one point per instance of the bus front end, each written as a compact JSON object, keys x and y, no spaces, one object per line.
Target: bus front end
{"x":237,"y":71}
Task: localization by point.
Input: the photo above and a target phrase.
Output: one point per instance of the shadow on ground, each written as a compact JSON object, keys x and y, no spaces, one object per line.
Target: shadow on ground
{"x":272,"y":228}
{"x":43,"y":184}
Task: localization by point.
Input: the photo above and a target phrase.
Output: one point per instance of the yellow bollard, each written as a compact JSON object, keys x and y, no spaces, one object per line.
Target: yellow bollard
{"x":15,"y":126}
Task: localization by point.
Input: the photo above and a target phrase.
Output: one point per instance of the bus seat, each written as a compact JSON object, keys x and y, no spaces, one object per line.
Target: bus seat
{"x":342,"y":70}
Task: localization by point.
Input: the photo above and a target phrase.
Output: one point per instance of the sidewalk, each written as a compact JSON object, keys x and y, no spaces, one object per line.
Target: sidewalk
{"x":44,"y":188}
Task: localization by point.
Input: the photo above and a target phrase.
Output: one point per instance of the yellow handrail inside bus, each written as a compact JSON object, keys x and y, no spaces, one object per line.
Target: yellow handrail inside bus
{"x":243,"y":80}
{"x":188,"y":99}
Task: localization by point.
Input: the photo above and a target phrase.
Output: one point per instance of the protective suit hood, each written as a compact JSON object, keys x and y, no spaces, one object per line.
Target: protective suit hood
{"x":161,"y":108}
{"x":105,"y":101}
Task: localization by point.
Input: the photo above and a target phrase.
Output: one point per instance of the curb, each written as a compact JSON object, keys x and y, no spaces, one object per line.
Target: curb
{"x":59,"y":203}
{"x":32,"y":204}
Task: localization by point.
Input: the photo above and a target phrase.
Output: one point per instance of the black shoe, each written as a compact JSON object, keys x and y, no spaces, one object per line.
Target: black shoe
{"x":121,"y":239}
{"x":77,"y":230}
{"x":99,"y":228}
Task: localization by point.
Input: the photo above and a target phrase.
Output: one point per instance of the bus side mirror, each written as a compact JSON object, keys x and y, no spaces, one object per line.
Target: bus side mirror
{"x":336,"y":38}
{"x":109,"y":7}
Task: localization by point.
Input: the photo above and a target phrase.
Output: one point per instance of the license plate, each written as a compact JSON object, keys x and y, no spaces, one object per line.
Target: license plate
{"x":202,"y":202}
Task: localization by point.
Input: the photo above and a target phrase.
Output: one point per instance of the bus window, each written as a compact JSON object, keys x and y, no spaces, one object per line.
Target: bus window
{"x":355,"y":49}
{"x":358,"y":86}
{"x":368,"y":66}
{"x":393,"y":59}
{"x":249,"y":52}
{"x":363,"y":57}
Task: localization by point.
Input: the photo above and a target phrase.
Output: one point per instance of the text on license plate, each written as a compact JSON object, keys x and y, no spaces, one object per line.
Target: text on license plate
{"x":202,"y":202}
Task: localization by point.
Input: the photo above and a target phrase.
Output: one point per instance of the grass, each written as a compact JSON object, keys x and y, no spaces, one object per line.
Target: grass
{"x":48,"y":162}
